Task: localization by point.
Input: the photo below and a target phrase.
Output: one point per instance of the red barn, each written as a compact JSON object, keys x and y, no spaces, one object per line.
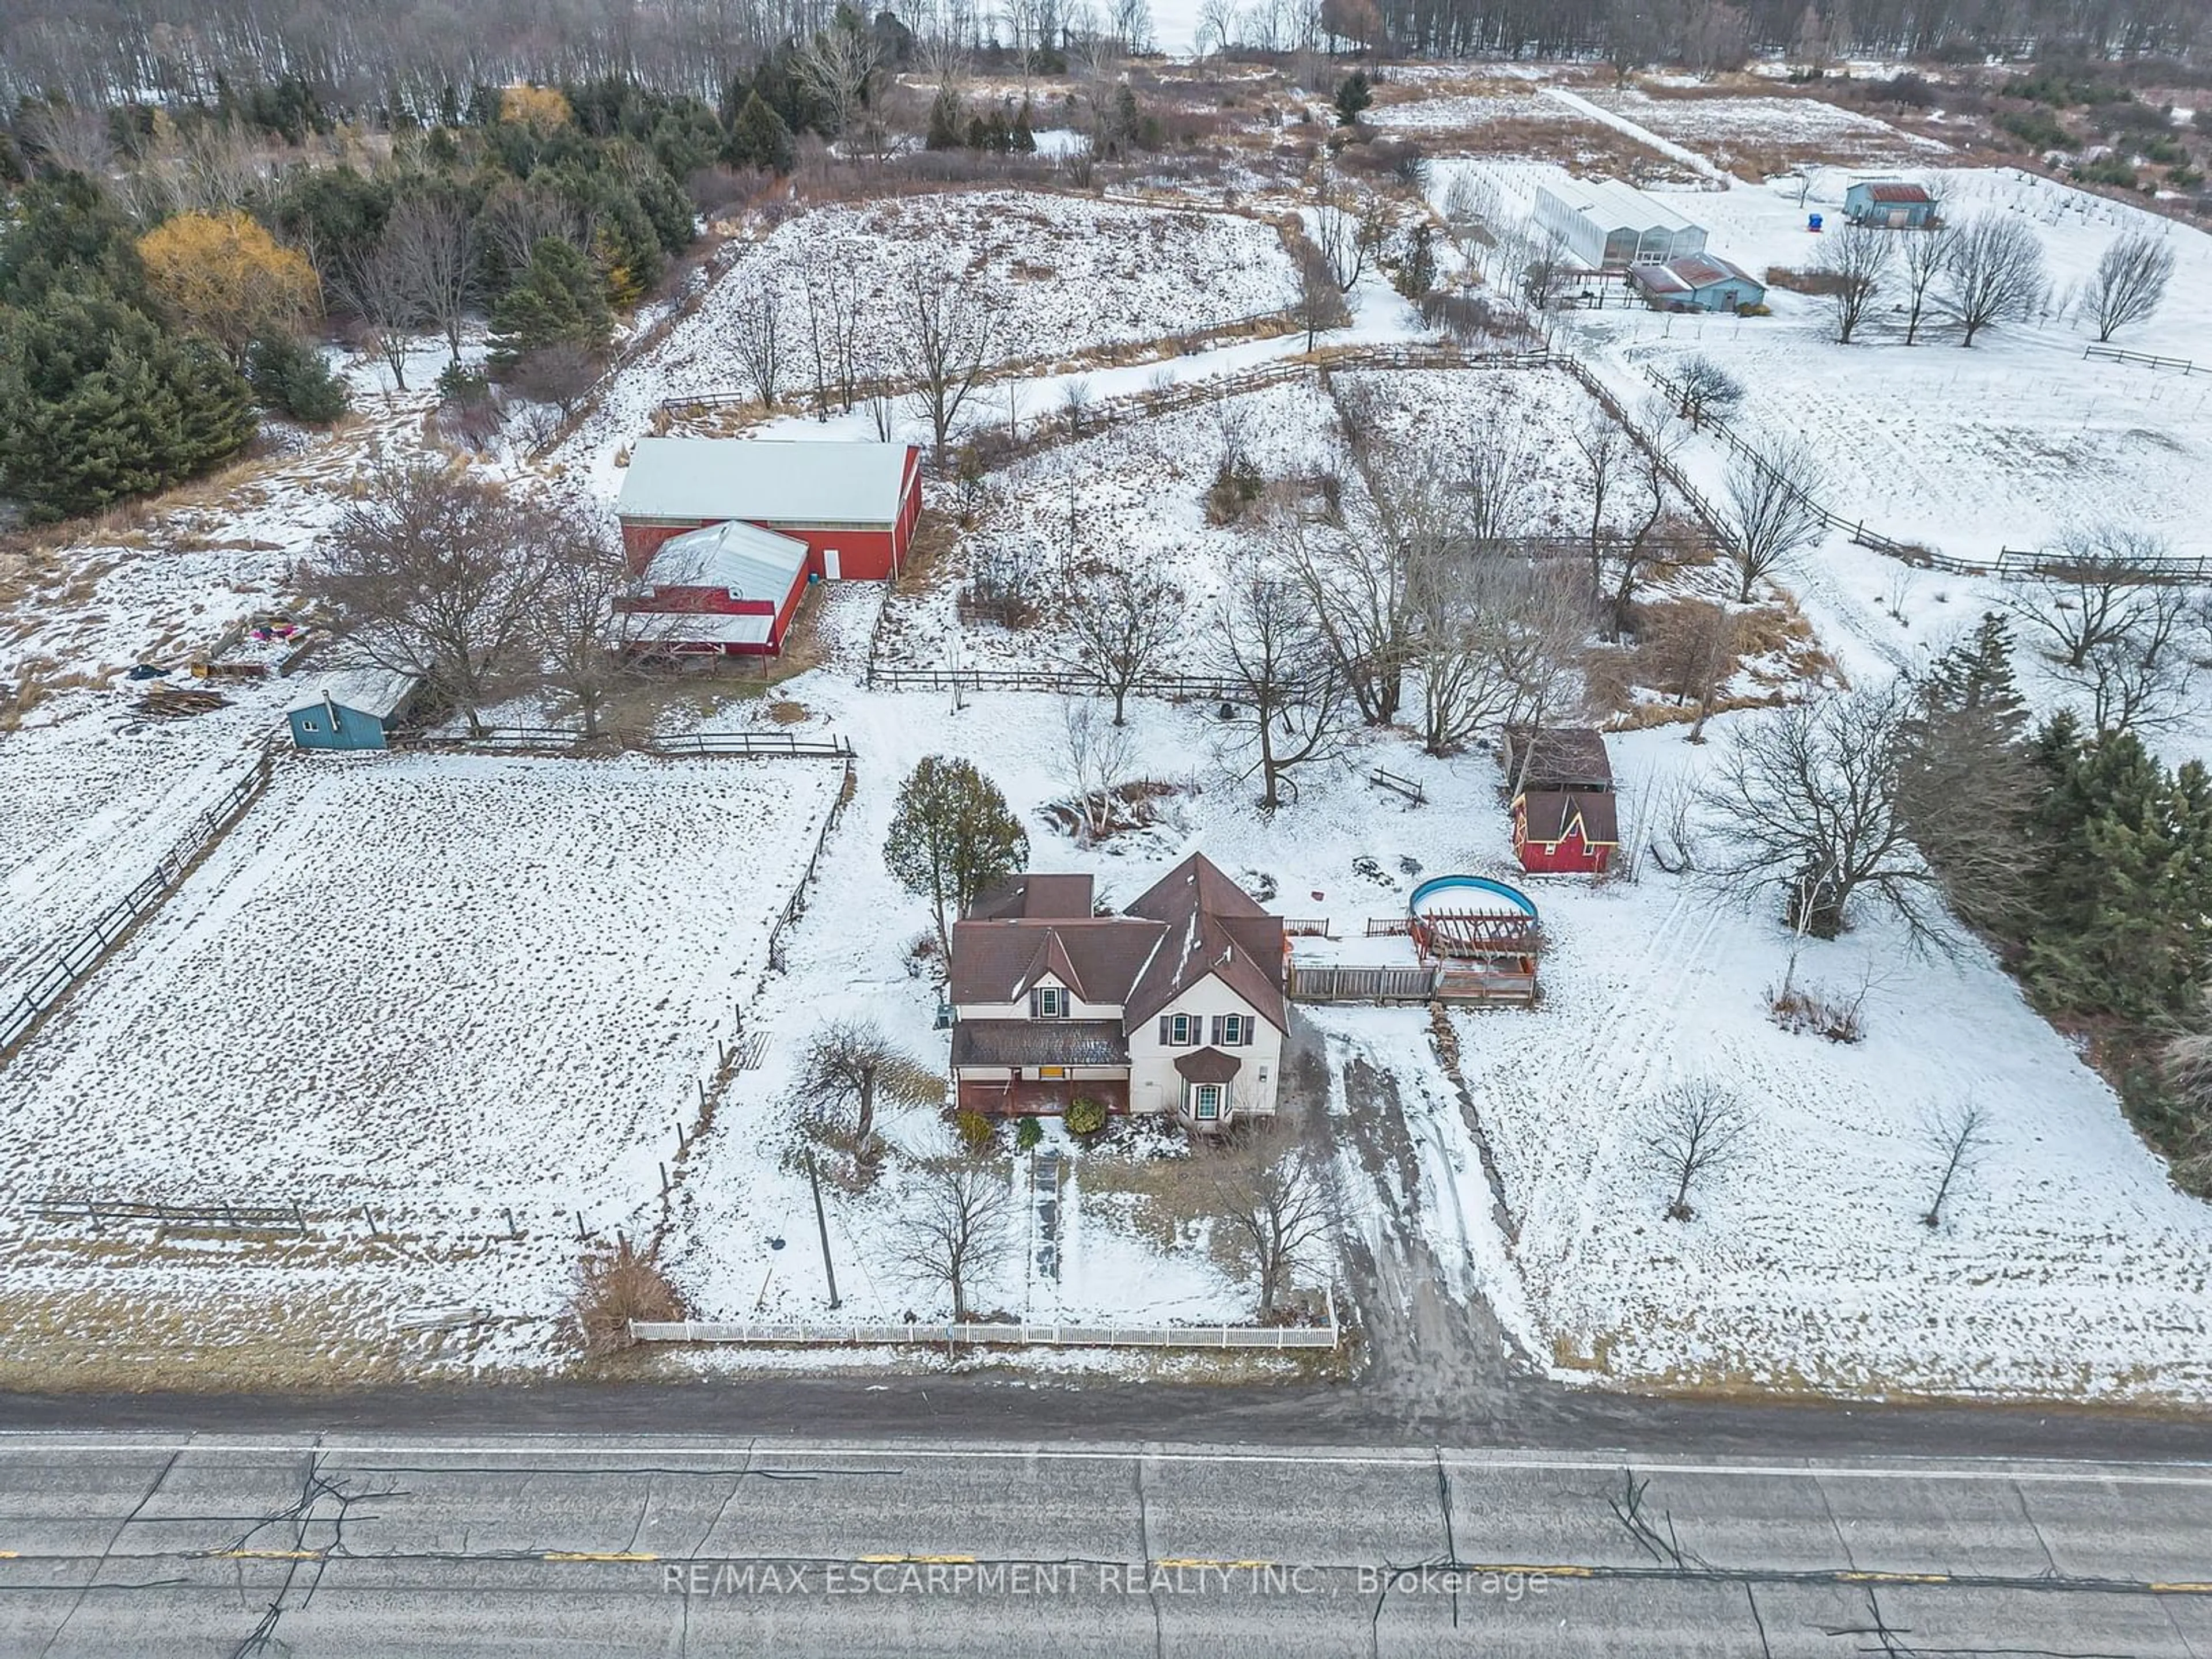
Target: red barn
{"x":1566,"y":820}
{"x":1558,"y":833}
{"x":853,"y":505}
{"x":730,"y":589}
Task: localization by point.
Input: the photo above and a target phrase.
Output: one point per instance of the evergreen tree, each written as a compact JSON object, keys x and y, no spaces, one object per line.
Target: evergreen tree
{"x":944,"y":124}
{"x":2127,"y":880}
{"x":759,"y":138}
{"x":97,"y":405}
{"x":65,"y":229}
{"x":1352,"y":97}
{"x":1967,"y":787}
{"x":1417,"y":275}
{"x":557,"y":301}
{"x":952,"y":836}
{"x":1024,"y":136}
{"x":292,"y":379}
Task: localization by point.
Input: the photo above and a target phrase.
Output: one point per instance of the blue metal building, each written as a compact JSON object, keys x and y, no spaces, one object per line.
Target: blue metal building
{"x":1889,"y":203}
{"x":1700,"y":282}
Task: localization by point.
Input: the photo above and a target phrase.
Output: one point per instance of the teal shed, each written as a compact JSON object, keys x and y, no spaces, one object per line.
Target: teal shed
{"x":351,"y":708}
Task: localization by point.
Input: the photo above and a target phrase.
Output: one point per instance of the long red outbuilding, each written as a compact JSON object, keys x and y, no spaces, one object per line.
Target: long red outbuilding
{"x":854,"y":505}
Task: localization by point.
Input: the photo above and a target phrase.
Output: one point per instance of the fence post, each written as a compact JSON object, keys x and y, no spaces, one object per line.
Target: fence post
{"x":299,"y":1217}
{"x":512,"y":1232}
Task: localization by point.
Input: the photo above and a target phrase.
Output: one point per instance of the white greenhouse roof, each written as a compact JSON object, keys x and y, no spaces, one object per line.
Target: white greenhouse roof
{"x":740,"y":558}
{"x":799,"y":481}
{"x":377,"y":692}
{"x":1616,"y":206}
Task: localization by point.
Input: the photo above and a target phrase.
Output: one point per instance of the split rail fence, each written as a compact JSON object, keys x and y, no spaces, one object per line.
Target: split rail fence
{"x":76,"y":960}
{"x":2113,"y":353}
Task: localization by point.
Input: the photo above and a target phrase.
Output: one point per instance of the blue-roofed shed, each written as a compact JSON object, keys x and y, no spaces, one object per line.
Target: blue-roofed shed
{"x":351,"y":708}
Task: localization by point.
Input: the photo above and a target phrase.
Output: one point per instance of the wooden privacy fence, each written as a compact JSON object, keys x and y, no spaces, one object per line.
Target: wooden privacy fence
{"x":74,"y":961}
{"x":2113,"y":353}
{"x":1332,"y":982}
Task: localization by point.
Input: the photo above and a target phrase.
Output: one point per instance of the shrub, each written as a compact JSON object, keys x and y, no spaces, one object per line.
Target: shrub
{"x":1800,"y":1010}
{"x":616,"y":1286}
{"x":1028,"y":1133}
{"x":1086,"y":1116}
{"x":1754,"y":311}
{"x":2037,"y":130}
{"x":977,"y":1133}
{"x":1235,"y":486}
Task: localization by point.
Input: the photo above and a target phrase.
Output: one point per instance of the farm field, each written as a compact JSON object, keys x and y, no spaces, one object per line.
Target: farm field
{"x":443,"y":989}
{"x":1964,"y":451}
{"x":1741,"y":133}
{"x":1073,"y":274}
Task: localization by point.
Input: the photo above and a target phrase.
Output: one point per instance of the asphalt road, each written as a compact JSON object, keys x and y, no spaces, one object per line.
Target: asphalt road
{"x":121,"y":1545}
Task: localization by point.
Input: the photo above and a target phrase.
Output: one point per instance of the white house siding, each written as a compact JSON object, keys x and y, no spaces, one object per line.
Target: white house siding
{"x":1077,"y":1008}
{"x":1155,"y":1086}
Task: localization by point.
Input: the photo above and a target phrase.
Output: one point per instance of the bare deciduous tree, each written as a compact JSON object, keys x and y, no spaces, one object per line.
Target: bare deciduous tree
{"x":1769,"y":516}
{"x":1704,"y":391}
{"x":431,"y":239}
{"x":835,"y":308}
{"x":1696,"y":1130}
{"x":1126,"y":617}
{"x":944,"y":329}
{"x":1921,"y":261}
{"x":1288,"y":696}
{"x":1320,"y":305}
{"x":2131,"y":282}
{"x":1270,"y":1190}
{"x":1347,"y":228}
{"x":435,"y":573}
{"x":1994,"y":273}
{"x":1959,"y":1136}
{"x":847,"y":1066}
{"x":1855,"y":262}
{"x":581,"y":632}
{"x":2111,"y":624}
{"x":954,"y":1228}
{"x":837,"y":66}
{"x":1099,"y":755}
{"x":375,"y":287}
{"x":1808,"y":799}
{"x":756,"y":334}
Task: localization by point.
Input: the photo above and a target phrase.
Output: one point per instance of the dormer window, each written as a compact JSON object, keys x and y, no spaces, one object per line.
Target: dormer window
{"x":1048,"y":1002}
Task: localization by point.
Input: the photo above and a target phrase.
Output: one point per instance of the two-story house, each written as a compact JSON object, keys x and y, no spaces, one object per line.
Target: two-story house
{"x":1176,"y":1005}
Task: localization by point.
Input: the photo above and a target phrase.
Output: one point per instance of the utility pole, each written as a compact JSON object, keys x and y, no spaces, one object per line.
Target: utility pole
{"x":822,"y":1221}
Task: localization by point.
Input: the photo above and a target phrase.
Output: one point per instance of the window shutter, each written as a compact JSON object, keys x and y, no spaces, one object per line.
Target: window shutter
{"x":1167,"y":1038}
{"x":1244,"y":1031}
{"x":1036,"y":1004}
{"x":1218,"y":1024}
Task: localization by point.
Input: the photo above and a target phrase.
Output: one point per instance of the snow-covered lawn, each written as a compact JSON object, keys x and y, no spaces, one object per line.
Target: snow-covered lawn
{"x":1077,"y":273}
{"x":2065,"y":1262}
{"x":442,"y":988}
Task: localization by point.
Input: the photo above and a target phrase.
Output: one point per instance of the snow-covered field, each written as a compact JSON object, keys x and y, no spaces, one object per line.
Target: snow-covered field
{"x":2012,"y":443}
{"x":1075,"y":274}
{"x":1729,"y":129}
{"x":1139,"y":491}
{"x":443,"y":988}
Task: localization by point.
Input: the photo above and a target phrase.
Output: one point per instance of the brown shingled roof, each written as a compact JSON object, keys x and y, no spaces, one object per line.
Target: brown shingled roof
{"x":1031,"y":898}
{"x":1208,"y":1066}
{"x":1039,"y":1043}
{"x":1098,"y":958}
{"x":1558,"y":757}
{"x":1549,"y":815}
{"x":1214,"y":927}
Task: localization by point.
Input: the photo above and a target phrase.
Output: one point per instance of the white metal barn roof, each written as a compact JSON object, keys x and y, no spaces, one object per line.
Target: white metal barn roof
{"x":377,"y":692}
{"x":748,"y":562}
{"x":797,"y":482}
{"x":704,"y":627}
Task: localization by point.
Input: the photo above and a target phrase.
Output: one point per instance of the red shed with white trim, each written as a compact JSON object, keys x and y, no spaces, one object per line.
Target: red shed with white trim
{"x":731,"y":589}
{"x":853,"y":505}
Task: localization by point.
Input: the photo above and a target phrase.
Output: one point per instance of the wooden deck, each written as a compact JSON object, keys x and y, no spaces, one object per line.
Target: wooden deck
{"x":1027,"y":1099}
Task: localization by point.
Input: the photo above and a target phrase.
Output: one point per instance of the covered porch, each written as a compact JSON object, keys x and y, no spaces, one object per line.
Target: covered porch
{"x":1040,"y":1097}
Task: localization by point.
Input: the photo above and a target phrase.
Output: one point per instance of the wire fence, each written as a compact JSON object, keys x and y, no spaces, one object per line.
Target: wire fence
{"x":51,"y":983}
{"x":568,"y":741}
{"x":822,"y":1333}
{"x":795,"y":906}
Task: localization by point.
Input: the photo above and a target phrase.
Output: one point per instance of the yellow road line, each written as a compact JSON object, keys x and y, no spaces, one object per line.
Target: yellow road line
{"x":1201,"y":1561}
{"x":2184,"y":1587}
{"x":270,"y":1555}
{"x":1892,"y":1577}
{"x":917,"y":1560}
{"x":596,"y":1555}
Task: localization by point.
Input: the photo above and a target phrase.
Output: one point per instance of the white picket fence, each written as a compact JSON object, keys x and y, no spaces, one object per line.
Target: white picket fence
{"x":811,"y":1333}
